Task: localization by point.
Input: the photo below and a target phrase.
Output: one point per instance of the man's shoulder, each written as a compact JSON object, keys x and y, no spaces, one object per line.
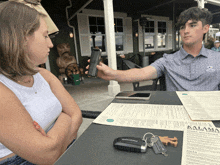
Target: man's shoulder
{"x":168,"y":57}
{"x":171,"y":54}
{"x":212,"y":55}
{"x":212,"y":51}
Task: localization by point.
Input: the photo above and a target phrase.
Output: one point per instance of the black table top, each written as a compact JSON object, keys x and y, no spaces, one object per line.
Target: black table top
{"x":95,"y":145}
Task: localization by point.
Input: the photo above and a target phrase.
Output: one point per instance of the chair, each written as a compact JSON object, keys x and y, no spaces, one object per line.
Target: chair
{"x":130,"y":64}
{"x":153,"y":87}
{"x":90,"y":114}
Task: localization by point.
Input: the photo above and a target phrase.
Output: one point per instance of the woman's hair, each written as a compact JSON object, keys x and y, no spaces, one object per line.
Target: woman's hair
{"x":17,"y":21}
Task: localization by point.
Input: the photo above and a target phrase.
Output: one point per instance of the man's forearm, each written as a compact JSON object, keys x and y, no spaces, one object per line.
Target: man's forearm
{"x":136,"y":74}
{"x":130,"y":75}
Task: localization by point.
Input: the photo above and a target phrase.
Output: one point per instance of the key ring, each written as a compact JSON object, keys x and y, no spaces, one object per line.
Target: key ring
{"x":145,"y":138}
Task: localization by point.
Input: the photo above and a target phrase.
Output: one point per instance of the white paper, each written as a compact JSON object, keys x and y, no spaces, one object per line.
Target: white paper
{"x":155,"y":116}
{"x":201,"y":147}
{"x":201,"y":105}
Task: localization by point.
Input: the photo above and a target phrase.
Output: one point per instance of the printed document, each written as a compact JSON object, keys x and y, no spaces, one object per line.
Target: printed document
{"x":155,"y":116}
{"x":201,"y":105}
{"x":201,"y":146}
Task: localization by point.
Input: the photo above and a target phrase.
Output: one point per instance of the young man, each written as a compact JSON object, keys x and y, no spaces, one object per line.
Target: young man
{"x":192,"y":68}
{"x":216,"y":46}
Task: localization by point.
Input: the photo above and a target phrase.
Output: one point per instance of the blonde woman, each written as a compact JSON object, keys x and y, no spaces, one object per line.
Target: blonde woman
{"x":38,"y":117}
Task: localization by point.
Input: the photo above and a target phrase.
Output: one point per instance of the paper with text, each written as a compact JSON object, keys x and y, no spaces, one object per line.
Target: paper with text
{"x":155,"y":116}
{"x":201,"y":105}
{"x":201,"y":146}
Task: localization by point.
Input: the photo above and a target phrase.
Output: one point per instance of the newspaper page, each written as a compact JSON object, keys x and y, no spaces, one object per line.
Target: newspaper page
{"x":155,"y":116}
{"x":201,"y":146}
{"x":201,"y":105}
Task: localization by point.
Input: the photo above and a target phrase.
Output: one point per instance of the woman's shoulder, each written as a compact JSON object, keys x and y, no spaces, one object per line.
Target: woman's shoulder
{"x":47,"y":75}
{"x":43,"y":70}
{"x":5,"y":91}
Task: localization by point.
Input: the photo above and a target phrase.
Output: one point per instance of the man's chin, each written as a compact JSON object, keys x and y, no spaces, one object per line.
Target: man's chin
{"x":188,"y":44}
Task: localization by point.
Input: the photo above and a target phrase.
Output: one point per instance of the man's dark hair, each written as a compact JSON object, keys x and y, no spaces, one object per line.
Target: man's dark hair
{"x":195,"y":14}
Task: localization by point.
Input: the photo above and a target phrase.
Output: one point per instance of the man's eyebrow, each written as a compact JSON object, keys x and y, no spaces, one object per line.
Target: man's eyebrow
{"x":194,"y":22}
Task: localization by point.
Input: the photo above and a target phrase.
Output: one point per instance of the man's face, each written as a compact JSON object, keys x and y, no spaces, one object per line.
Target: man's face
{"x":217,"y":44}
{"x":192,"y":32}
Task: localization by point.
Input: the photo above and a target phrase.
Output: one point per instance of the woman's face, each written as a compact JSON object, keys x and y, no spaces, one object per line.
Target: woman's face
{"x":39,"y":44}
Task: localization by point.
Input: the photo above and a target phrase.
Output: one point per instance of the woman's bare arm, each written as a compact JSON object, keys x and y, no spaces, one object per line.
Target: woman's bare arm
{"x":69,"y":105}
{"x":19,"y":135}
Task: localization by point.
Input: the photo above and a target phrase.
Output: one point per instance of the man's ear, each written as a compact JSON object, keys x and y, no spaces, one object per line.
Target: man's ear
{"x":206,"y":28}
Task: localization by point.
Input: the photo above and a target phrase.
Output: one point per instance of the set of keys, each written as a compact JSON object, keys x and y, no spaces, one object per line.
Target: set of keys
{"x":132,"y":144}
{"x":156,"y":144}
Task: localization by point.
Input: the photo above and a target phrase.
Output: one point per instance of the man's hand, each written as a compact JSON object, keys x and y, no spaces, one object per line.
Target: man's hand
{"x":104,"y":71}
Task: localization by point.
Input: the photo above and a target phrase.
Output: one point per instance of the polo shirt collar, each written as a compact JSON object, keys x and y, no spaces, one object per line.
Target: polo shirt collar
{"x":184,"y":54}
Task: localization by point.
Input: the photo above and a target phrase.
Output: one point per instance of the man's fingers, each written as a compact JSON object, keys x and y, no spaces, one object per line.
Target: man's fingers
{"x":100,"y":63}
{"x":97,"y":66}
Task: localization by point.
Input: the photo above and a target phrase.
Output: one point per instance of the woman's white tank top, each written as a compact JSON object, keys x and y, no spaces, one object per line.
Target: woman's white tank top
{"x":39,"y":101}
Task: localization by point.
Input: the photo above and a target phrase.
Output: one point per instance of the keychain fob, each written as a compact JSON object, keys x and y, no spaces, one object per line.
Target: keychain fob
{"x":130,"y":144}
{"x":94,"y":61}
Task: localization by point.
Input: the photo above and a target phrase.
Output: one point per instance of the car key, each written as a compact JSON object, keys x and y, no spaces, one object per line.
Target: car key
{"x":158,"y":146}
{"x":130,"y":144}
{"x":152,"y":141}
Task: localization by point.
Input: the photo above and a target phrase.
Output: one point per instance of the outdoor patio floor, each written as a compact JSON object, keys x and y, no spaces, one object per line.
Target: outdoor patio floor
{"x":92,"y":95}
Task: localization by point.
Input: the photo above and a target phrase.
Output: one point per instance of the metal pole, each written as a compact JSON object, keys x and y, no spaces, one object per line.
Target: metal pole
{"x":143,"y":39}
{"x":145,"y":59}
{"x":178,"y":39}
{"x":173,"y":27}
{"x":74,"y":32}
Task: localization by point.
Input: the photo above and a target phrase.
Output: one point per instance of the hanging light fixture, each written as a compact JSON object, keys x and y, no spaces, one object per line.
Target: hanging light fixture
{"x":71,"y":35}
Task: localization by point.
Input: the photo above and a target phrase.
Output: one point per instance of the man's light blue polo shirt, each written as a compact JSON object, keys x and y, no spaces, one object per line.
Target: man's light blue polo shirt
{"x":183,"y":72}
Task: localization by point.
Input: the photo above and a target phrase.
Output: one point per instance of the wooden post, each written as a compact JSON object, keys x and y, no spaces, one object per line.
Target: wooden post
{"x":114,"y":87}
